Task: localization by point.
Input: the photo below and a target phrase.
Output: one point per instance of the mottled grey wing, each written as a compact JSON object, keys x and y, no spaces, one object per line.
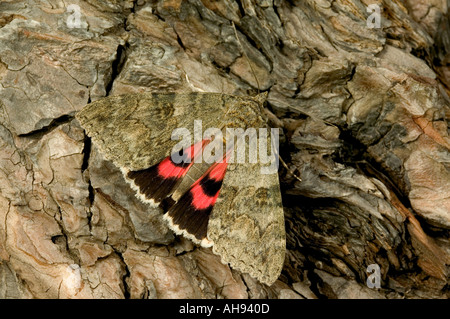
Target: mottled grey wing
{"x":247,"y":222}
{"x":134,"y":131}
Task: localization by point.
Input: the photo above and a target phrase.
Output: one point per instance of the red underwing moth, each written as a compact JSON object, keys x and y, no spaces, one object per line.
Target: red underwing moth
{"x":230,"y":205}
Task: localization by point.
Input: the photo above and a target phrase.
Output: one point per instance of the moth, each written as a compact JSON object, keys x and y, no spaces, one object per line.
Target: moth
{"x":233,"y":207}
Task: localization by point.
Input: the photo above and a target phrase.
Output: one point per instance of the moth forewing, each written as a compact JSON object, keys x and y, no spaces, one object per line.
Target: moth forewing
{"x":247,"y":221}
{"x":134,"y":130}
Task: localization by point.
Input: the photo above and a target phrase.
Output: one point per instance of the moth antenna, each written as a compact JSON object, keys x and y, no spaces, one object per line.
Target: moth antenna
{"x":246,"y":56}
{"x":193,"y":87}
{"x":310,"y":115}
{"x":257,"y":82}
{"x":288,"y":169}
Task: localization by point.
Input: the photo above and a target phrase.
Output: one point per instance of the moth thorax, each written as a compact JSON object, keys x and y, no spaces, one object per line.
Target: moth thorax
{"x":245,"y":117}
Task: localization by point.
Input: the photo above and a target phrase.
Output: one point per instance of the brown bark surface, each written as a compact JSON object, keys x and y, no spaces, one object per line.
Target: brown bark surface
{"x":364,"y":114}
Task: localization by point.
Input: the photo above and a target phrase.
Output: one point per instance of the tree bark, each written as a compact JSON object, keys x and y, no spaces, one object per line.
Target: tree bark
{"x":364,"y":114}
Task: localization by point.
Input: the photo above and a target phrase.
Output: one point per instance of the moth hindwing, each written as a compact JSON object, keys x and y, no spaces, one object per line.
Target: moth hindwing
{"x":235,"y":207}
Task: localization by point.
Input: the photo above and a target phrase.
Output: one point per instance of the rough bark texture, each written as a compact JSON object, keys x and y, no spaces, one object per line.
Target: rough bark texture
{"x":364,"y":113}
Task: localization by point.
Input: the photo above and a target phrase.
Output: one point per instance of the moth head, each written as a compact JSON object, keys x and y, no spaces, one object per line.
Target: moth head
{"x":261,"y":98}
{"x":246,"y":112}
